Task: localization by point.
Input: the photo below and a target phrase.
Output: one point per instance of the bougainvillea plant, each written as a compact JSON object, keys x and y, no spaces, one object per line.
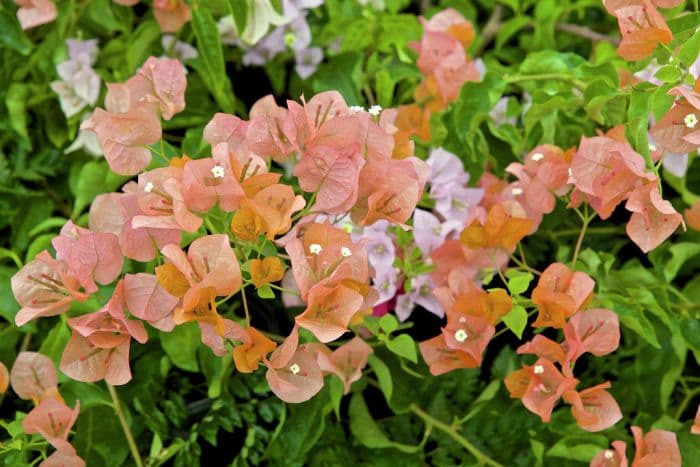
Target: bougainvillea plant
{"x":442,"y":233}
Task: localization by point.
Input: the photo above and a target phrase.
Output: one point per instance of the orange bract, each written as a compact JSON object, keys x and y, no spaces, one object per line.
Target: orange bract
{"x":247,"y":355}
{"x":559,"y":294}
{"x":247,"y":225}
{"x":204,"y":310}
{"x":172,"y":280}
{"x":264,"y":271}
{"x":491,"y":305}
{"x":642,"y":28}
{"x":4,"y":378}
{"x":692,"y":216}
{"x":501,"y":230}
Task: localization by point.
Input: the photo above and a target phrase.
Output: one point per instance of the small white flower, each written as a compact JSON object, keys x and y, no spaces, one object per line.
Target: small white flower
{"x":345,"y":251}
{"x":375,"y":110}
{"x":356,"y":109}
{"x":462,"y":319}
{"x":294,"y":368}
{"x":609,"y":454}
{"x":571,"y":173}
{"x":217,"y":171}
{"x":315,"y":248}
{"x":148,"y":187}
{"x":652,"y":147}
{"x":517,"y":191}
{"x":539,"y":369}
{"x":538,"y":156}
{"x":460,"y":335}
{"x":690,"y":120}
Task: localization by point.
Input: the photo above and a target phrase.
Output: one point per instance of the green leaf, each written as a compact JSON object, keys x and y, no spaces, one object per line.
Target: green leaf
{"x":266,"y":292}
{"x":99,"y":438}
{"x":181,"y":346}
{"x":366,"y":430}
{"x":47,"y":224}
{"x":518,"y":281}
{"x":516,"y":320}
{"x":140,"y":43}
{"x":341,"y":73}
{"x":299,"y":432}
{"x":381,"y":371}
{"x":389,"y":323}
{"x":668,"y":74}
{"x":680,"y":253}
{"x":335,"y":389}
{"x":100,"y":11}
{"x":54,"y":343}
{"x":11,"y":35}
{"x":684,"y":23}
{"x":16,"y":102}
{"x":239,"y":11}
{"x":578,"y":448}
{"x":40,"y":243}
{"x":509,"y":28}
{"x":690,"y":50}
{"x":95,"y":178}
{"x":211,"y":55}
{"x":29,"y":214}
{"x":403,"y":346}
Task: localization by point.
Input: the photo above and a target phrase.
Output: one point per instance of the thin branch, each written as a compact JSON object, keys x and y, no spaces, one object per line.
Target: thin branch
{"x":452,"y":433}
{"x":587,"y":33}
{"x":125,"y":426}
{"x":490,"y":29}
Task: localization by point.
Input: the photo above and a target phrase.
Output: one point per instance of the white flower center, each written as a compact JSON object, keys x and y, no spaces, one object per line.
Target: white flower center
{"x":538,"y":156}
{"x":148,"y":187}
{"x":517,"y":191}
{"x":539,"y":369}
{"x":690,"y":120}
{"x":356,"y":109}
{"x":461,"y":335}
{"x":217,"y":171}
{"x":609,"y":454}
{"x":375,"y":110}
{"x":345,"y":251}
{"x":294,"y":368}
{"x":315,"y":248}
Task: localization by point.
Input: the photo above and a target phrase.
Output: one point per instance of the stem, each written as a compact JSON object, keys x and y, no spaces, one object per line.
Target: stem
{"x":545,"y":76}
{"x":523,"y":265}
{"x":587,"y":33}
{"x":369,"y":95}
{"x":245,"y":307}
{"x":502,"y":330}
{"x":490,"y":29}
{"x":686,"y":400}
{"x":452,"y":433}
{"x":591,"y":231}
{"x":282,"y":289}
{"x":307,"y":208}
{"x":125,"y":426}
{"x":586,"y":221}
